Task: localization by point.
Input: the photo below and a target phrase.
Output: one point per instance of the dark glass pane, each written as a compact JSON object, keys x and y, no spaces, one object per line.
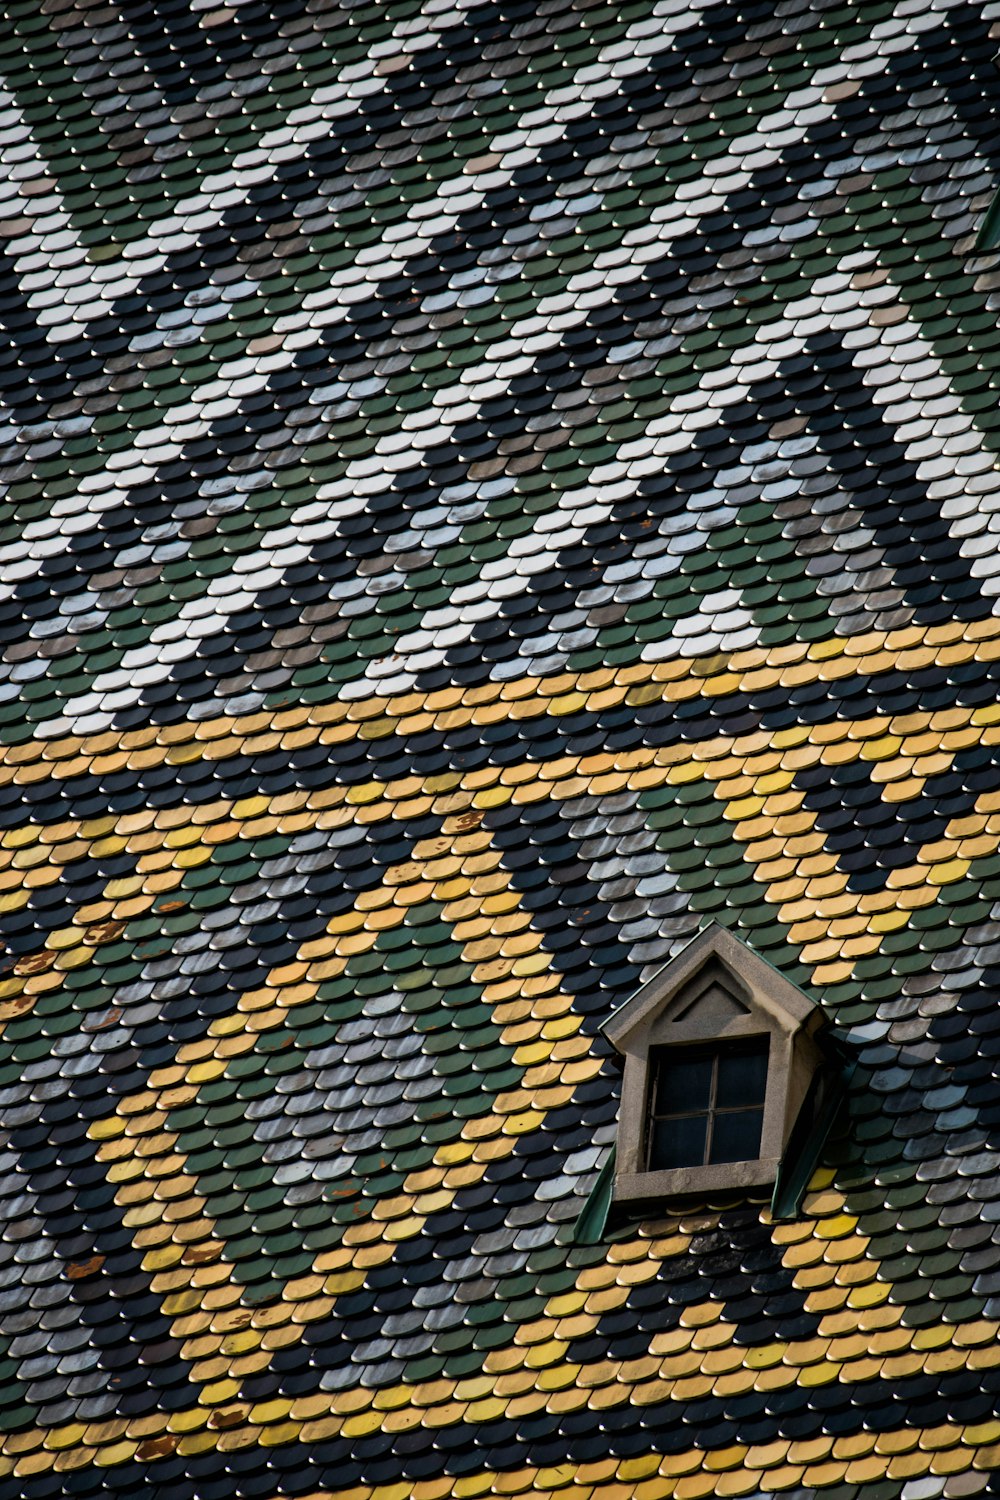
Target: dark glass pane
{"x":736,"y":1137}
{"x":683,"y":1081}
{"x":742,"y":1074}
{"x":677,"y":1143}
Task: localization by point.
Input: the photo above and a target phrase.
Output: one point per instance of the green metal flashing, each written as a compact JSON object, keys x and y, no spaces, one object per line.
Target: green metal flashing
{"x":988,"y":237}
{"x":593,"y":1218}
{"x":809,"y":1135}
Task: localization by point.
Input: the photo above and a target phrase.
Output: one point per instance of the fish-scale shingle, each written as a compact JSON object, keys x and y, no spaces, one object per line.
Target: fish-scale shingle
{"x":487,"y":490}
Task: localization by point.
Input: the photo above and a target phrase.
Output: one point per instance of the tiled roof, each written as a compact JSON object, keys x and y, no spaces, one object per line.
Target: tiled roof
{"x":487,"y":490}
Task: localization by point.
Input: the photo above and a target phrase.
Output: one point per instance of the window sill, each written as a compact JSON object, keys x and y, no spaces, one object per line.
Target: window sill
{"x":640,"y":1188}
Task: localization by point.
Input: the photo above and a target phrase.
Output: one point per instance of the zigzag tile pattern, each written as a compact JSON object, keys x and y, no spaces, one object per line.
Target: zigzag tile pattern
{"x":485,"y":490}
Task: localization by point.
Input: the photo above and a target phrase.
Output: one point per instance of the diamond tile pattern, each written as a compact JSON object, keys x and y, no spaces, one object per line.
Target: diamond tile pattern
{"x":486,"y":490}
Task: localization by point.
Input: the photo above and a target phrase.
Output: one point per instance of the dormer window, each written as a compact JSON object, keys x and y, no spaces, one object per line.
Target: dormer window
{"x":720,"y":1054}
{"x":706,"y":1104}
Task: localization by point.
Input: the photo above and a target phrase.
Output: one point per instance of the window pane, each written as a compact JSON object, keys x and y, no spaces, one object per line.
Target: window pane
{"x":736,"y":1137}
{"x":683,"y":1081}
{"x":742,"y":1074}
{"x":677,"y":1143}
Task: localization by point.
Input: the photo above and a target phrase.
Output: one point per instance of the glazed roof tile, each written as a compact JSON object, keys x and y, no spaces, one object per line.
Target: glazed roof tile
{"x":488,"y":490}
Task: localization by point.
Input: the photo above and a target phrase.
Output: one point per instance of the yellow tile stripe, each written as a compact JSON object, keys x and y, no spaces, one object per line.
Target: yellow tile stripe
{"x":94,"y":925}
{"x":675,"y":681}
{"x":693,"y":1368}
{"x":753,"y":776}
{"x":909,"y":1453}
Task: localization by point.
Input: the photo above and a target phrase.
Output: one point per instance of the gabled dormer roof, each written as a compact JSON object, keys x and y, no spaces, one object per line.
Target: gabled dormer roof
{"x":717,"y":986}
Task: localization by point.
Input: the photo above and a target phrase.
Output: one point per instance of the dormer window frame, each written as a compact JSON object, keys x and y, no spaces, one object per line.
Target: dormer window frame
{"x":682,"y":1120}
{"x":715,"y":992}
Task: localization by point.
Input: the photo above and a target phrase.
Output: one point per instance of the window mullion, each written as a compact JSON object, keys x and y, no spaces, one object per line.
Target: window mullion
{"x":710,"y":1124}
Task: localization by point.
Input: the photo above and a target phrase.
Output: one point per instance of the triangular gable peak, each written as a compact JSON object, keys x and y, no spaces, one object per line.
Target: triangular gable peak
{"x":716,"y":987}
